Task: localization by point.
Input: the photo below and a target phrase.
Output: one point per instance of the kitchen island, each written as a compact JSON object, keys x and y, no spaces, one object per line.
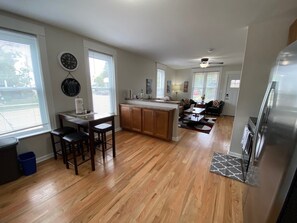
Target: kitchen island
{"x":158,"y":118}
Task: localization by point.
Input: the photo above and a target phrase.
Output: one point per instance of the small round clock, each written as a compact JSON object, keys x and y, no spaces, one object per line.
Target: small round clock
{"x":68,"y":61}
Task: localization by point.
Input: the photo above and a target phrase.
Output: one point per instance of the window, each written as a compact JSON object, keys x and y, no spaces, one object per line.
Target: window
{"x":22,"y":99}
{"x":234,"y":83}
{"x":205,"y":83}
{"x":160,"y":83}
{"x":102,"y":78}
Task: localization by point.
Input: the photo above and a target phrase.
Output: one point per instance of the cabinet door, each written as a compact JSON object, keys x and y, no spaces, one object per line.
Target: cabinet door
{"x":161,"y":124}
{"x":148,"y":121}
{"x":125,"y":117}
{"x":292,"y":33}
{"x":136,"y":119}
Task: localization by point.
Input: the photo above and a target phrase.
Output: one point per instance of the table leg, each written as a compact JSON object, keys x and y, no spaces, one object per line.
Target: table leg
{"x":92,"y":148}
{"x":113,"y":139}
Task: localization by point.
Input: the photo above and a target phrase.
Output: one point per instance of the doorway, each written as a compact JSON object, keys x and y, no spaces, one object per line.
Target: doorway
{"x":231,"y":94}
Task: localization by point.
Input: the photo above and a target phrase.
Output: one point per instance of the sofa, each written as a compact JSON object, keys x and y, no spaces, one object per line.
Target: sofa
{"x":214,"y":107}
{"x":185,"y":104}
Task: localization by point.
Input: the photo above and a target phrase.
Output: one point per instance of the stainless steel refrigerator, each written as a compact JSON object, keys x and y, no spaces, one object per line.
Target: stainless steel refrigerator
{"x":272,"y":195}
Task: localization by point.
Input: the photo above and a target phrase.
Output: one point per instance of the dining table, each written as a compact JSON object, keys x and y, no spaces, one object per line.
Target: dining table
{"x":88,"y":121}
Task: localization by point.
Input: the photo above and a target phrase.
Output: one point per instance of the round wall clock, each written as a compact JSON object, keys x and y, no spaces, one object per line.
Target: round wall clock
{"x":68,"y":61}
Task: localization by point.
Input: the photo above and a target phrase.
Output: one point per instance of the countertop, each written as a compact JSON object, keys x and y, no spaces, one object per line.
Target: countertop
{"x":148,"y":106}
{"x":154,"y":100}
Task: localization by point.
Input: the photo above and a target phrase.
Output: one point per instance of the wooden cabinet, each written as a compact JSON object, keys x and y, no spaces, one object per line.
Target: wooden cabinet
{"x":125,"y":114}
{"x":136,"y":119}
{"x":150,"y":121}
{"x":293,"y":33}
{"x":163,"y":124}
{"x":130,"y":118}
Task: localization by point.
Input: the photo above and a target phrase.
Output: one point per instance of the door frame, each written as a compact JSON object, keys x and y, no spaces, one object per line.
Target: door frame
{"x":226,"y":82}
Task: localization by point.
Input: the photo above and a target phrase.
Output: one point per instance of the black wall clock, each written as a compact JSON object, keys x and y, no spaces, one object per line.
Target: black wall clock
{"x":68,"y":61}
{"x":70,"y":87}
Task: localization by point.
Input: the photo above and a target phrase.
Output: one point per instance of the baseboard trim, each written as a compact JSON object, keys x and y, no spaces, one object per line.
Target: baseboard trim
{"x":176,"y":139}
{"x":118,"y":129}
{"x":237,"y":155}
{"x":43,"y":158}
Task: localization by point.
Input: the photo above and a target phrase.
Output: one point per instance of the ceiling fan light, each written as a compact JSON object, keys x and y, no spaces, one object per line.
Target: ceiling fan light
{"x":204,"y":65}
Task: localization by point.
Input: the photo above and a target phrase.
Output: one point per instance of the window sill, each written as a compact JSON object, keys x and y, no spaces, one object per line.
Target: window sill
{"x":26,"y":135}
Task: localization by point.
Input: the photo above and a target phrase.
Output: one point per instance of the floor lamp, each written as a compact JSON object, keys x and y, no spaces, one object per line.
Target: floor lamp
{"x":176,"y":89}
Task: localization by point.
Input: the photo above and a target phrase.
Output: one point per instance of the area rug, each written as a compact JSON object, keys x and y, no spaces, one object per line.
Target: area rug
{"x":204,"y":125}
{"x":227,"y":166}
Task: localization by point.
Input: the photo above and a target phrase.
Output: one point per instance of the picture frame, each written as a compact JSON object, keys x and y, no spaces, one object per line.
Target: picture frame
{"x":148,"y":86}
{"x":168,"y":89}
{"x":186,"y":86}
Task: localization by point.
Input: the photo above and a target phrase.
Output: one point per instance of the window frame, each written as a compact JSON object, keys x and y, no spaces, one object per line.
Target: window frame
{"x":235,"y":85}
{"x":206,"y":71}
{"x":47,"y":109}
{"x":162,"y":85}
{"x":96,"y":47}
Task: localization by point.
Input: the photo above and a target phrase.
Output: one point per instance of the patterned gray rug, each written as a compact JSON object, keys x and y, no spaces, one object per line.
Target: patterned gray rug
{"x":227,"y":166}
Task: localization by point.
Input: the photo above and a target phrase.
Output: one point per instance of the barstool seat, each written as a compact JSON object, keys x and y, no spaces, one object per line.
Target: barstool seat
{"x":60,"y":132}
{"x":102,"y":129}
{"x":75,"y":137}
{"x":75,"y":142}
{"x":63,"y":131}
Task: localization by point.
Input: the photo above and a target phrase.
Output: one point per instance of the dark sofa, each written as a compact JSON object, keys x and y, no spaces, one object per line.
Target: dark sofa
{"x":211,"y":109}
{"x":185,"y":104}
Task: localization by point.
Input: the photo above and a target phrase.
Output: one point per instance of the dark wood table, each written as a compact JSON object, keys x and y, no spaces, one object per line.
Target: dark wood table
{"x":88,"y":121}
{"x":200,"y":105}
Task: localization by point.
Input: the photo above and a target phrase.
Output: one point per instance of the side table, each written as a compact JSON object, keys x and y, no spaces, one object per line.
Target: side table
{"x":200,"y":105}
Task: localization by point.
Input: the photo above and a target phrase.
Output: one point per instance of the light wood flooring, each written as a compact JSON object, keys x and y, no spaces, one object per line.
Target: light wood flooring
{"x":150,"y":180}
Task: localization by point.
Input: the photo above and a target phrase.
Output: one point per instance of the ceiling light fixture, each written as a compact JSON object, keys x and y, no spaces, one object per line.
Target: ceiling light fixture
{"x":204,"y":63}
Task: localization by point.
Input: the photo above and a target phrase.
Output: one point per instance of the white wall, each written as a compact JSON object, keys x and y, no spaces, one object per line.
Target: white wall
{"x":180,"y":77}
{"x":132,"y":71}
{"x":264,"y":42}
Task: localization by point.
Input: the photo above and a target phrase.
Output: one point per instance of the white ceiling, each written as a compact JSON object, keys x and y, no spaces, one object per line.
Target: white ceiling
{"x":177,"y":33}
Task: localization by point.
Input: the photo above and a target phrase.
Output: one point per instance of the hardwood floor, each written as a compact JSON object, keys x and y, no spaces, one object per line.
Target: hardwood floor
{"x":149,"y":181}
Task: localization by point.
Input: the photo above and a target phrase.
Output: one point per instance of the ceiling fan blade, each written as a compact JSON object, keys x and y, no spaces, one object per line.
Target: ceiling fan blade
{"x":215,"y":62}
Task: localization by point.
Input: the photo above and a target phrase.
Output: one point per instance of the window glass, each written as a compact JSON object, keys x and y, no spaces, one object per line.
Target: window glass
{"x":22,"y":100}
{"x":198,"y":86}
{"x":211,"y":86}
{"x":234,"y":83}
{"x":205,"y":83}
{"x":160,"y":83}
{"x":102,"y":79}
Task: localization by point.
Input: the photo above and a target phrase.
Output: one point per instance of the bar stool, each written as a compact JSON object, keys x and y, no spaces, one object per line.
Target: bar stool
{"x":101,"y":130}
{"x":75,"y":142}
{"x":60,"y":133}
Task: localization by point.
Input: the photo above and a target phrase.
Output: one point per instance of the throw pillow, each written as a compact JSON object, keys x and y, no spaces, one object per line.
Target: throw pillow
{"x":216,"y":103}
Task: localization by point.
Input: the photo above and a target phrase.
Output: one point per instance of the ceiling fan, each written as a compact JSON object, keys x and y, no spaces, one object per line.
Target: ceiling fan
{"x":205,"y":62}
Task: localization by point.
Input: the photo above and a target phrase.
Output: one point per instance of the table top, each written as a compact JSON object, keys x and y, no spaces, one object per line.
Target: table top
{"x":87,"y":117}
{"x":196,"y":110}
